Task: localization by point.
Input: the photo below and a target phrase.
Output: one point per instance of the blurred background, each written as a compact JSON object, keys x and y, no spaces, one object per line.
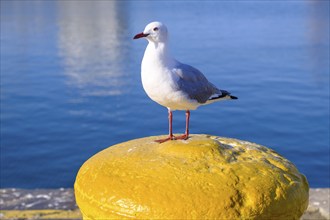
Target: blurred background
{"x":70,"y":80}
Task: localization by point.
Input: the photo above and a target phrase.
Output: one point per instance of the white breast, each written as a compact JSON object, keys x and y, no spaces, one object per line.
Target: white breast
{"x":161,"y":86}
{"x":160,"y":82}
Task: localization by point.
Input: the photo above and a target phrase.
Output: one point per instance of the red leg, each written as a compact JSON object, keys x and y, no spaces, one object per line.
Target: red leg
{"x":186,"y":134}
{"x":170,"y":123}
{"x":170,"y":135}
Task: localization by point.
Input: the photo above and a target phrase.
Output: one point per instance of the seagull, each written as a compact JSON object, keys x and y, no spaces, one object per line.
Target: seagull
{"x":172,"y":84}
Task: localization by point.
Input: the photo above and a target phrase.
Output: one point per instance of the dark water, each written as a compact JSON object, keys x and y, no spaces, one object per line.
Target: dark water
{"x":70,"y":80}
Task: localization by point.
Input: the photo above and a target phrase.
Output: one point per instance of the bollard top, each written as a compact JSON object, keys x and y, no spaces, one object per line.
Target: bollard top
{"x":204,"y":177}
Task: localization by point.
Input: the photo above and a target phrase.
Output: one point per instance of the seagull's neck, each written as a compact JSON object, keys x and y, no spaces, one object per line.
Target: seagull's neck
{"x":159,"y":54}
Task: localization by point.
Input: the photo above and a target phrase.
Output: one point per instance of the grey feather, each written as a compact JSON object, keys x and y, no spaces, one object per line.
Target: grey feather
{"x":194,"y":84}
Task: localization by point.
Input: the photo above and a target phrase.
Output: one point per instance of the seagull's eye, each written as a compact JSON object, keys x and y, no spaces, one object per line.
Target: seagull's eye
{"x":155,"y":29}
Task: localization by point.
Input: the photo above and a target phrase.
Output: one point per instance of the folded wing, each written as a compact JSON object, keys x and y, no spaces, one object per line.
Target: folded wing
{"x":195,"y":85}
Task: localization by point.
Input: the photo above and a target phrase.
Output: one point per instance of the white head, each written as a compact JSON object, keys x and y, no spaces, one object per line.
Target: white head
{"x":155,"y":32}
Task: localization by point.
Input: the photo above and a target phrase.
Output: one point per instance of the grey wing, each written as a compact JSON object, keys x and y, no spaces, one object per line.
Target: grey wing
{"x":194,"y":83}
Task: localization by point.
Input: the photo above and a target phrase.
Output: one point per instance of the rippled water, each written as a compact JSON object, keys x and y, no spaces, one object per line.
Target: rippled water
{"x":70,"y":80}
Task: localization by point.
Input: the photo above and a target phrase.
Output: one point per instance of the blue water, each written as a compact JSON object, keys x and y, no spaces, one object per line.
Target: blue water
{"x":70,"y":80}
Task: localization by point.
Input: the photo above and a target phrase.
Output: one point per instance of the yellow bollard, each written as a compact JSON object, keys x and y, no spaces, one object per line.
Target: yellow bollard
{"x":204,"y":177}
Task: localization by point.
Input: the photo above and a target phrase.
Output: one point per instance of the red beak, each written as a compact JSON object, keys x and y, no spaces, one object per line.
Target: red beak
{"x":140,"y":35}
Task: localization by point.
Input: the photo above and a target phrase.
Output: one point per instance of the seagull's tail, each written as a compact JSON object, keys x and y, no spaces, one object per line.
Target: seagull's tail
{"x":223,"y":95}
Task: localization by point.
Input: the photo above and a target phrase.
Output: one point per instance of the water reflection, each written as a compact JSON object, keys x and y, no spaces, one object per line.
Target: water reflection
{"x":92,"y":46}
{"x":318,"y":35}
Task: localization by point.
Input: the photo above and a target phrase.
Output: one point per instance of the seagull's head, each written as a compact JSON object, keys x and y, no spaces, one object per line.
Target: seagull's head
{"x":155,"y":32}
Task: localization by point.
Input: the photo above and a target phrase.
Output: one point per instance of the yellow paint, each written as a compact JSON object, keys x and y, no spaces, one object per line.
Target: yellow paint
{"x":205,"y":177}
{"x":40,"y":214}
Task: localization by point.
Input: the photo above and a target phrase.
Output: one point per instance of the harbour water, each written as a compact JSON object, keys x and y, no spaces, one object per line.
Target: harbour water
{"x":70,"y":80}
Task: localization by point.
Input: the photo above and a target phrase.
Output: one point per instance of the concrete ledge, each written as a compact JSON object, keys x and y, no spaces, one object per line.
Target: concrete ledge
{"x":60,"y":204}
{"x":40,"y":214}
{"x":319,"y":206}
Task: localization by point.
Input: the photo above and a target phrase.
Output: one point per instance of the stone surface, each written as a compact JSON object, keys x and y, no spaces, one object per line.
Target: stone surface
{"x":205,"y":177}
{"x":319,"y":206}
